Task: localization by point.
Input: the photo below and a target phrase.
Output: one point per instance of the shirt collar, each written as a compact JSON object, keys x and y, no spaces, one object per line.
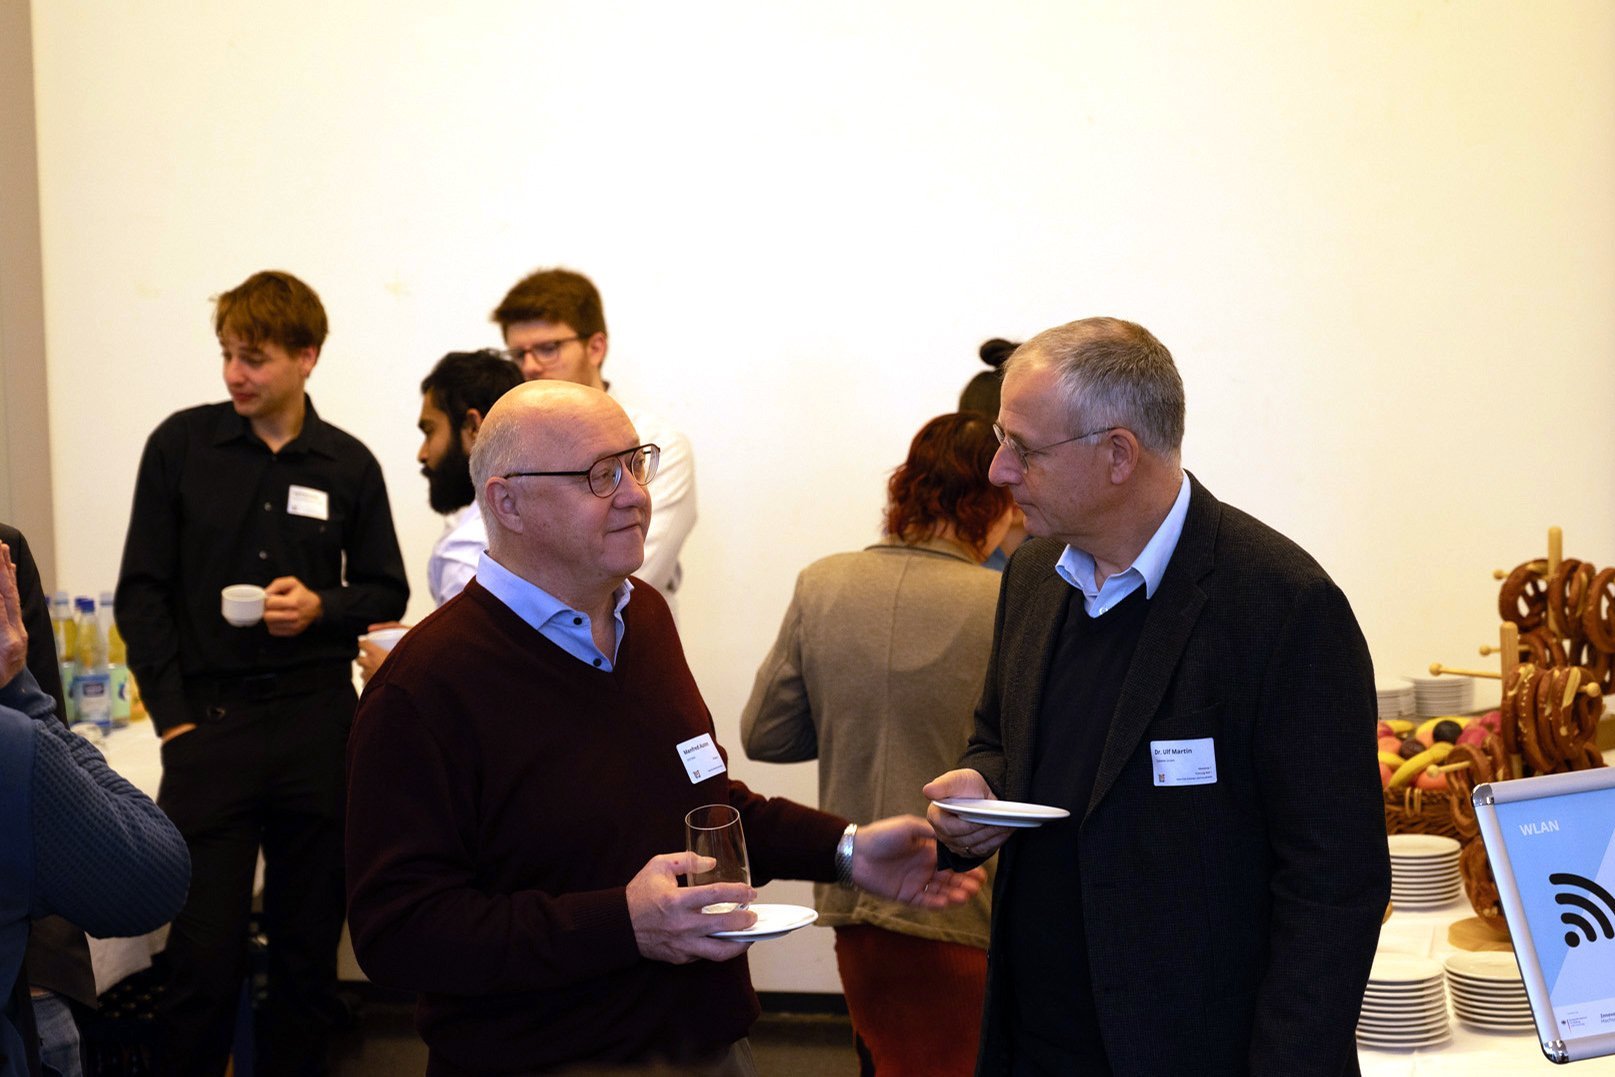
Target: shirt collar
{"x":314,"y":437}
{"x":1076,"y":567}
{"x":528,"y":600}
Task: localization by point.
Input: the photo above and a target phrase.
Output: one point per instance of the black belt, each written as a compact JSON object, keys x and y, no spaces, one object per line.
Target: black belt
{"x":254,"y":686}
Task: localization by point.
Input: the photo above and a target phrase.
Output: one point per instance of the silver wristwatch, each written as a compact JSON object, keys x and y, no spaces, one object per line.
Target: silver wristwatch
{"x":844,"y":856}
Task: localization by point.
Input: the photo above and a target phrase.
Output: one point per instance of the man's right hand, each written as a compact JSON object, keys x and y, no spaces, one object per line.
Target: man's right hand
{"x":974,"y":840}
{"x":668,"y":922}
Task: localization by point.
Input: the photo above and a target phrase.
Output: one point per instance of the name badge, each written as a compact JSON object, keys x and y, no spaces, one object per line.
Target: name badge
{"x":1184,"y":762}
{"x":700,"y":758}
{"x":307,"y":501}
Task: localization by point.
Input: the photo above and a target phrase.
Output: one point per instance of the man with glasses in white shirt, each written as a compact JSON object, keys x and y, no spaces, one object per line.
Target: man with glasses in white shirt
{"x":555,"y":329}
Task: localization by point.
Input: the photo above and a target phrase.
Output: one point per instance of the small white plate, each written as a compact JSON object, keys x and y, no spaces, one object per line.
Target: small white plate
{"x":773,"y":921}
{"x":1404,"y":969}
{"x":1496,"y":966}
{"x":1012,"y":813}
{"x":1421,"y":846}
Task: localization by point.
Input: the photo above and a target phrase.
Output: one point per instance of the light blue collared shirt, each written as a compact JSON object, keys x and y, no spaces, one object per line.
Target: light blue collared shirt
{"x":567,"y":628}
{"x":1077,"y":568}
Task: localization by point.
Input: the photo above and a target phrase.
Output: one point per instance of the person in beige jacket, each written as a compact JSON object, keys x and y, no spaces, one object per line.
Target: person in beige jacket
{"x":876,"y":673}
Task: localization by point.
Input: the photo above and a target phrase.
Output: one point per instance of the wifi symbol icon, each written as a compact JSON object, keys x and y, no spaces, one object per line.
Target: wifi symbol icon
{"x":1602,"y":914}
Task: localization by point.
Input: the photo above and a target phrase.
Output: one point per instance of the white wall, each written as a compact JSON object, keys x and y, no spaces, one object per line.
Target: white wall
{"x":1378,"y":238}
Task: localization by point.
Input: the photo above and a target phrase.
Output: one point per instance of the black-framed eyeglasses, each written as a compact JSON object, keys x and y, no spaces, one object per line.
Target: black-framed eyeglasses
{"x":1023,"y":454}
{"x":606,"y":473}
{"x":544,"y":352}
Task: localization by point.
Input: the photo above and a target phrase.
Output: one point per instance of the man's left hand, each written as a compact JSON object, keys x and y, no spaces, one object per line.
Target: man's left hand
{"x":13,"y":634}
{"x":896,"y":858}
{"x":289,"y":607}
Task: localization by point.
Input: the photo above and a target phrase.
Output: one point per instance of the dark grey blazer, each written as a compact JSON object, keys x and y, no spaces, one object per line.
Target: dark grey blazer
{"x":1230,"y":926}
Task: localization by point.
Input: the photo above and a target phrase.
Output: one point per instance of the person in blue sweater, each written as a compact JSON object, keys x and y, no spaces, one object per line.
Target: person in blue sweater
{"x":75,"y":839}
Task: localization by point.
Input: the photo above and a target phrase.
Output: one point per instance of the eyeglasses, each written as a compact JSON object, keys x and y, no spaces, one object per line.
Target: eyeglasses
{"x":1023,"y":454}
{"x":543,"y":352}
{"x":605,"y":474}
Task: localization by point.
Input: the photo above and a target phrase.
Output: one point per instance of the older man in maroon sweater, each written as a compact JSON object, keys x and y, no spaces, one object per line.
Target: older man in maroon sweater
{"x":518,"y":789}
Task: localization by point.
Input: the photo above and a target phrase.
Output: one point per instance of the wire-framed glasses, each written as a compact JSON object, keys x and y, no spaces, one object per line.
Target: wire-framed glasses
{"x":1023,"y":454}
{"x":606,"y":473}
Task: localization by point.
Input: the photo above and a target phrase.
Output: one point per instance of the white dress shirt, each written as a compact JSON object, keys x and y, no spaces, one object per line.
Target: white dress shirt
{"x":454,"y":557}
{"x":1077,"y":567}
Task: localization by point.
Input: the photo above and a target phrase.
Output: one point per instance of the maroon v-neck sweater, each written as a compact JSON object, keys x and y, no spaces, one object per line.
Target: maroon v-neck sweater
{"x":501,"y":795}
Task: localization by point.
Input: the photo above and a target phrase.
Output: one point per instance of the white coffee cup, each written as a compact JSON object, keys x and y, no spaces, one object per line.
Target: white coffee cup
{"x":242,"y":604}
{"x":385,"y":638}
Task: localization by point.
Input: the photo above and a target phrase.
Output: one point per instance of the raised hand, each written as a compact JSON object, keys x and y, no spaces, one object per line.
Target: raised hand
{"x":896,"y":858}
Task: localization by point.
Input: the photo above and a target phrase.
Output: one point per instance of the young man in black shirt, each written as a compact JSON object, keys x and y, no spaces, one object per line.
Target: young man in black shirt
{"x":254,"y":720}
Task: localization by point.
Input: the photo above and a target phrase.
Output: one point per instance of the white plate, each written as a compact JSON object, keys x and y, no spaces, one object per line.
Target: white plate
{"x":1421,"y":846}
{"x":1001,"y":812}
{"x":1494,"y":965}
{"x":1404,"y":1043}
{"x":1500,"y":1026}
{"x":772,"y":922}
{"x":1420,"y":1026}
{"x":1392,"y":968}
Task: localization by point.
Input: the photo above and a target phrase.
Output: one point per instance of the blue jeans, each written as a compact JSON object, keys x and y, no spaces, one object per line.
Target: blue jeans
{"x":58,"y":1036}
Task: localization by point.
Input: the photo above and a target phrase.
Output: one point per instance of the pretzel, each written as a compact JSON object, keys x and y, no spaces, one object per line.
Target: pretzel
{"x":1519,"y":685}
{"x":1588,"y":710}
{"x":1539,"y":756}
{"x":1567,"y":594}
{"x":1556,"y":721}
{"x":1461,"y":783}
{"x":1479,"y":885}
{"x":1523,"y":598}
{"x":1598,"y":615}
{"x":1546,"y":649}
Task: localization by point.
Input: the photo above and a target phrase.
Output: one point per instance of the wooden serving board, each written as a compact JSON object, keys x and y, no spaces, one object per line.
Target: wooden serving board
{"x":1480,"y":933}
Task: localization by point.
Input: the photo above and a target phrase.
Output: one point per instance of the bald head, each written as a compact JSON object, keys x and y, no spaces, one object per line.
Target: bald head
{"x":533,"y":423}
{"x":545,"y":522}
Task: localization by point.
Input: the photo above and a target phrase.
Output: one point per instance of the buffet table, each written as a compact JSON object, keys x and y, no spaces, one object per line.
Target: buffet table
{"x":1471,"y":1051}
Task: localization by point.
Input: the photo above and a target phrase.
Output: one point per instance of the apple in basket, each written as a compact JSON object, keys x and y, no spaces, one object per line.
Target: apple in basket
{"x":1474,"y":733}
{"x":1431,"y":780}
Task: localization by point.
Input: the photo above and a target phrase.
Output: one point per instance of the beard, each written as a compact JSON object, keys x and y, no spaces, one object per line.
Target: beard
{"x":448,"y":486}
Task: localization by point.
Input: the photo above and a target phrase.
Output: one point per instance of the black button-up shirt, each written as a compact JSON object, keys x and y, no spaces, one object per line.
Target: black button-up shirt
{"x":214,"y":506}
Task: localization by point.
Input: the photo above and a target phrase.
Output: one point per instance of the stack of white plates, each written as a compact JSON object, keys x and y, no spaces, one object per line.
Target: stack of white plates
{"x":1424,"y":871}
{"x":1405,"y":1005}
{"x":1396,"y":698}
{"x":1487,"y":991}
{"x":1436,"y":696}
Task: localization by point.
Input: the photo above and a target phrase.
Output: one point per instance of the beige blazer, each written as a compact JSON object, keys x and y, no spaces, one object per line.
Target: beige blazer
{"x":876,"y":674}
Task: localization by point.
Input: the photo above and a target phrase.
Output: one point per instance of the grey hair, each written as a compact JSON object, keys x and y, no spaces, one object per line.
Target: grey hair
{"x":494,"y":453}
{"x":1115,"y":373}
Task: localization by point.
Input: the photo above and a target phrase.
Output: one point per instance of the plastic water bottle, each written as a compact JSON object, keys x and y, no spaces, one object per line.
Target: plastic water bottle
{"x":92,"y":683}
{"x":117,"y":662}
{"x":61,"y":623}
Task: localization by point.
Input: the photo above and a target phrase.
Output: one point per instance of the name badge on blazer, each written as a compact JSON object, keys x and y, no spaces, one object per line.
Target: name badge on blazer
{"x":1184,"y":762}
{"x":700,"y":758}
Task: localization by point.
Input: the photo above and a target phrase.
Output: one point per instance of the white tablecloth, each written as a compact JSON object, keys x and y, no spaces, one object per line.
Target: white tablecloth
{"x":1471,"y":1052}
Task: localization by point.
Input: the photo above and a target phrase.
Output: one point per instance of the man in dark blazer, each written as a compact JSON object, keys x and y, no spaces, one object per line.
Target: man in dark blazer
{"x":1194,"y":689}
